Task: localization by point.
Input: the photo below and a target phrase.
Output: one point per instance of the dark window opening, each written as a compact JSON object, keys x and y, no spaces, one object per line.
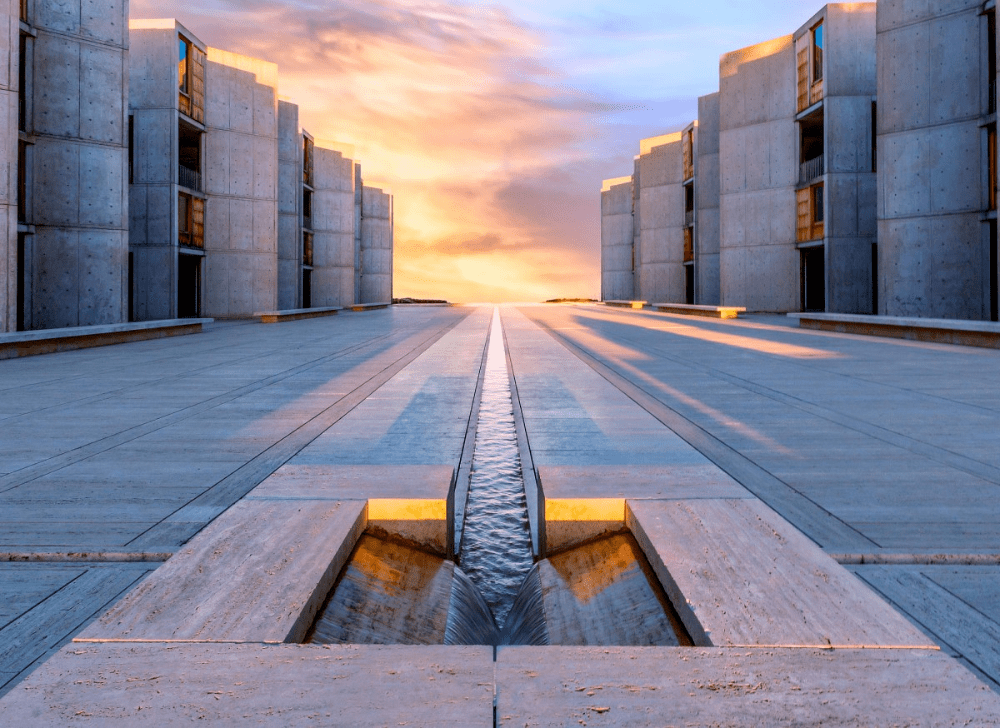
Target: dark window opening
{"x":24,"y":10}
{"x":875,"y":278}
{"x":22,"y":182}
{"x":813,"y":280}
{"x":22,"y":88}
{"x":817,"y":204}
{"x":131,"y":286}
{"x":131,"y":149}
{"x":689,"y":198}
{"x":307,"y":161}
{"x":991,"y":166}
{"x":817,"y":59}
{"x":189,"y":157}
{"x":307,"y":249}
{"x":184,"y":65}
{"x":307,"y":198}
{"x":994,"y":274}
{"x":307,"y":289}
{"x":811,"y":147}
{"x":874,"y":136}
{"x":188,"y":286}
{"x":21,"y":282}
{"x":184,"y":223}
{"x":991,"y":61}
{"x":689,"y":284}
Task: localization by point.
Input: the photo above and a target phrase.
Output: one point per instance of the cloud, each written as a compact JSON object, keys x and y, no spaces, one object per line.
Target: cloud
{"x":487,"y":149}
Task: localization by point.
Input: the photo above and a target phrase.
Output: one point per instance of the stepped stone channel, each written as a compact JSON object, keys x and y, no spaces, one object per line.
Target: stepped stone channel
{"x":599,"y":593}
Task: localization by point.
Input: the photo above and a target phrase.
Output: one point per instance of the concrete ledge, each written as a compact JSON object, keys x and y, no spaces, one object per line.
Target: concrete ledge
{"x":296,"y":314}
{"x":627,"y":304}
{"x":984,"y":334}
{"x":615,"y":686}
{"x":50,"y":341}
{"x":719,"y":312}
{"x":369,"y":306}
{"x":740,"y":575}
{"x":273,"y":685}
{"x":258,"y":573}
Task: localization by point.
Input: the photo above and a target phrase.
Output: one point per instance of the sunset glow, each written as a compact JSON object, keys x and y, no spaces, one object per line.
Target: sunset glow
{"x":494,"y":125}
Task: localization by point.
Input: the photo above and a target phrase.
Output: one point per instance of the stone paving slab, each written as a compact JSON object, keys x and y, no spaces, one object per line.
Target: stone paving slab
{"x":636,"y":482}
{"x":632,"y":687}
{"x":274,"y":685}
{"x":740,"y":575}
{"x":357,"y":482}
{"x":259,"y":573}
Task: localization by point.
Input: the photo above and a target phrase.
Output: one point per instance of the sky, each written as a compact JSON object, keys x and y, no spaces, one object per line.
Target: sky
{"x":493,"y":124}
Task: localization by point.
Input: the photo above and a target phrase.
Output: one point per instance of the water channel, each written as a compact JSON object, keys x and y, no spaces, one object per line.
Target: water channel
{"x":599,"y":593}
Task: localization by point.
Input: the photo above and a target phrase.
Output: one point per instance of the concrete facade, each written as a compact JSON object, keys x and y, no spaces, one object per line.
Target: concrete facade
{"x":241,"y":221}
{"x":758,"y":262}
{"x":290,"y":189}
{"x":167,"y":271}
{"x":660,"y":256}
{"x":376,"y":245}
{"x":333,"y":229}
{"x":63,"y":204}
{"x":707,"y":202}
{"x":617,"y":259}
{"x":936,"y":117}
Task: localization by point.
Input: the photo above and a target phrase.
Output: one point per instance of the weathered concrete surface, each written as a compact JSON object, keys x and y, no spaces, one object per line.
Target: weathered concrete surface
{"x":377,"y":235}
{"x":617,"y":252}
{"x":743,"y":576}
{"x":333,"y":229}
{"x":296,"y":314}
{"x":284,"y":685}
{"x":706,"y":189}
{"x":933,"y":236}
{"x":660,"y":254}
{"x":290,"y":154}
{"x":113,"y":453}
{"x":720,"y":312}
{"x":258,"y":573}
{"x":942,"y":331}
{"x":685,"y":686}
{"x":10,"y":32}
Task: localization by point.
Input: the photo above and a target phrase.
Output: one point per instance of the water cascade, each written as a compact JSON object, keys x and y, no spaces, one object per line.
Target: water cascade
{"x":599,"y":593}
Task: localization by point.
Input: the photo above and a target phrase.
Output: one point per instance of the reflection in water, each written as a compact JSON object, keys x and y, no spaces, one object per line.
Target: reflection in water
{"x":602,"y":593}
{"x":393,"y":594}
{"x":496,"y":545}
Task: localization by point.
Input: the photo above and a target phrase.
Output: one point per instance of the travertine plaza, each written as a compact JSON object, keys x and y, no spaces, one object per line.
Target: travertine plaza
{"x":220,"y":502}
{"x":847,"y":168}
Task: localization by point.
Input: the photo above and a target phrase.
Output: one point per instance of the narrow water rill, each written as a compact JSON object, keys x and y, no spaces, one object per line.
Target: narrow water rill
{"x":496,"y":544}
{"x":599,"y":593}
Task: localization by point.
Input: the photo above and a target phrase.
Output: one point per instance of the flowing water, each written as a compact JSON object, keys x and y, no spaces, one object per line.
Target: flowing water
{"x":496,"y":544}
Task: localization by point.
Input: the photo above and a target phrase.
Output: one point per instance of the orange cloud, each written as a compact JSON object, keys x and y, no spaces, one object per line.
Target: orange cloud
{"x":485,"y":150}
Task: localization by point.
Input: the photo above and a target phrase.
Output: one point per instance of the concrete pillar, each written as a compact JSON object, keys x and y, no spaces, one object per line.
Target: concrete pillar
{"x":376,"y":246}
{"x":359,"y":188}
{"x":660,"y":264}
{"x":10,"y":270}
{"x":707,"y":201}
{"x":758,"y":260}
{"x":933,"y":228}
{"x":76,"y":189}
{"x":241,"y":242}
{"x":617,"y":260}
{"x":289,"y":207}
{"x":333,"y":229}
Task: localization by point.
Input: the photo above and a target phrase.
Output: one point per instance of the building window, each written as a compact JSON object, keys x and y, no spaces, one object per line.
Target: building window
{"x":307,"y":161}
{"x":817,"y":203}
{"x":22,"y":182}
{"x":131,"y":149}
{"x":811,"y":213}
{"x":184,"y":65}
{"x":22,"y":90}
{"x":817,"y":53}
{"x":991,"y":62}
{"x":991,"y":166}
{"x":24,"y":11}
{"x":307,"y":206}
{"x":184,"y":219}
{"x":307,"y":249}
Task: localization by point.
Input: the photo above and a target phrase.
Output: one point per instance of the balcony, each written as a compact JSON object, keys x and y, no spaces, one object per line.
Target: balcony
{"x":189,"y":178}
{"x":811,"y":170}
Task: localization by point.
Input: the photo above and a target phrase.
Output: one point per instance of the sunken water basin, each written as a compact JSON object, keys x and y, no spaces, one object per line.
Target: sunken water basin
{"x":601,"y":593}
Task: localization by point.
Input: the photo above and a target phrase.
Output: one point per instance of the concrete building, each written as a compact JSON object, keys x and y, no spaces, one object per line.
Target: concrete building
{"x":937,"y":160}
{"x":706,"y":208}
{"x":758,"y":260}
{"x":293,"y":276}
{"x":661,"y":223}
{"x":331,"y":235}
{"x":204,"y":177}
{"x":617,"y":244}
{"x":63,"y":195}
{"x":377,"y":238}
{"x":168,"y":198}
